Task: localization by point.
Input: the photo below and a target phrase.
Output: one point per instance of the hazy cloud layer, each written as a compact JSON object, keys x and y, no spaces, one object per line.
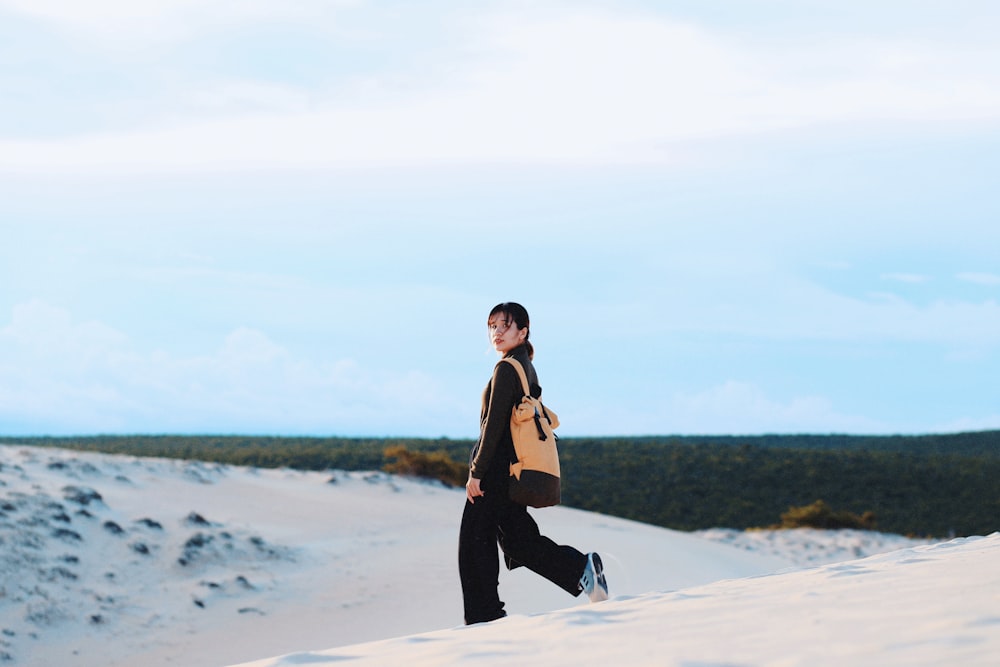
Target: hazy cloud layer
{"x":293,"y":216}
{"x":559,"y":85}
{"x":87,"y":377}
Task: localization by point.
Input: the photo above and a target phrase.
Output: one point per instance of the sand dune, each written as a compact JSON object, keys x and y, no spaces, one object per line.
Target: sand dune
{"x":931,"y":605}
{"x":111,"y":560}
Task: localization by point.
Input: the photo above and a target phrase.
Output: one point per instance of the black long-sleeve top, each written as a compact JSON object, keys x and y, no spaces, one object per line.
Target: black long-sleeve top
{"x":503,"y":392}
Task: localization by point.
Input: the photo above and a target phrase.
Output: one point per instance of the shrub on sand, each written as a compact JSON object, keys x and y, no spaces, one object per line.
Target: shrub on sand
{"x":821,"y":515}
{"x":430,"y":465}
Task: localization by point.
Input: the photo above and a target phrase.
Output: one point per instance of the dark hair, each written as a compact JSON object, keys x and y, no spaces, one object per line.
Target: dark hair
{"x":519,"y":315}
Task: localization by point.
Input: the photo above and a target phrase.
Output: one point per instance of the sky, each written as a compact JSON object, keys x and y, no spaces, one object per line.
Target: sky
{"x":293,"y":217}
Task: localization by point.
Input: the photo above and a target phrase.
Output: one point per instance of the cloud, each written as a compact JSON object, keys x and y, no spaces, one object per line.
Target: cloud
{"x":58,"y":375}
{"x":772,"y":303}
{"x":54,"y":368}
{"x":42,"y":334}
{"x":741,"y":407}
{"x":943,"y":321}
{"x":910,"y":278}
{"x":239,"y":97}
{"x":556,"y":86}
{"x":989,"y":279}
{"x":732,"y":407}
{"x":966,"y":424}
{"x":167,"y":20}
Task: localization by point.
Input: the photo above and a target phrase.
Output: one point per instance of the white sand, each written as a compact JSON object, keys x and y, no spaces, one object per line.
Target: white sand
{"x":294,"y":564}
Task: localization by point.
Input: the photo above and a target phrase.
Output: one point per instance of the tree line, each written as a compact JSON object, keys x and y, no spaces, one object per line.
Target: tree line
{"x":936,"y":485}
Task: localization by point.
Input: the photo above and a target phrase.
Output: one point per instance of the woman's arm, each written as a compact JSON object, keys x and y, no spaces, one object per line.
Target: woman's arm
{"x":505,"y":390}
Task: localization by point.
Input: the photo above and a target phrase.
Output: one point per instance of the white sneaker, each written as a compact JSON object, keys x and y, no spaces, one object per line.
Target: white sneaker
{"x":593,"y":582}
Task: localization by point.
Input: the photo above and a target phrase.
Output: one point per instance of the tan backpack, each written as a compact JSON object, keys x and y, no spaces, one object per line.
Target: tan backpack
{"x":534,"y":479}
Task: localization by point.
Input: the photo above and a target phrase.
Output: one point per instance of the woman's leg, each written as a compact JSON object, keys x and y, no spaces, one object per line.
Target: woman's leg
{"x":478,"y":561}
{"x":523,"y":544}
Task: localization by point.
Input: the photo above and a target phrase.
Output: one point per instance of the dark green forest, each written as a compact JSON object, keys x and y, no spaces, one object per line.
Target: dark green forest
{"x":930,"y":485}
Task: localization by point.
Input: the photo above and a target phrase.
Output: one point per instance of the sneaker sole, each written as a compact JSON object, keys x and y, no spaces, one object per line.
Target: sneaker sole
{"x":600,"y":593}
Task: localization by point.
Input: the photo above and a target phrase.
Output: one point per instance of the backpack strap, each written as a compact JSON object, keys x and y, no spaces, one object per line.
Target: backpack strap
{"x":520,"y":371}
{"x":527,"y":392}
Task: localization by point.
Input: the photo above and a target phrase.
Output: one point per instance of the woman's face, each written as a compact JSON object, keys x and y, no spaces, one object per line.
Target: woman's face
{"x":504,"y":333}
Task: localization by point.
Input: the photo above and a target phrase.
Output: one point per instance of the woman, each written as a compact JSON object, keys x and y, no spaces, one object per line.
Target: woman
{"x":490,"y":516}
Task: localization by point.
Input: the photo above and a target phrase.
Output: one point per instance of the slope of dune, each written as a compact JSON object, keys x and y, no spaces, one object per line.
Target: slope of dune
{"x":113,"y":560}
{"x":929,"y":605}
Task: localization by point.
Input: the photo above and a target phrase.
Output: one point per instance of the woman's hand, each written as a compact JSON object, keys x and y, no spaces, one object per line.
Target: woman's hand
{"x":473,"y":489}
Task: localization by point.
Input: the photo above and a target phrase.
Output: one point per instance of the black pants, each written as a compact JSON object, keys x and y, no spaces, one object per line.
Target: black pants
{"x":494,"y":519}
